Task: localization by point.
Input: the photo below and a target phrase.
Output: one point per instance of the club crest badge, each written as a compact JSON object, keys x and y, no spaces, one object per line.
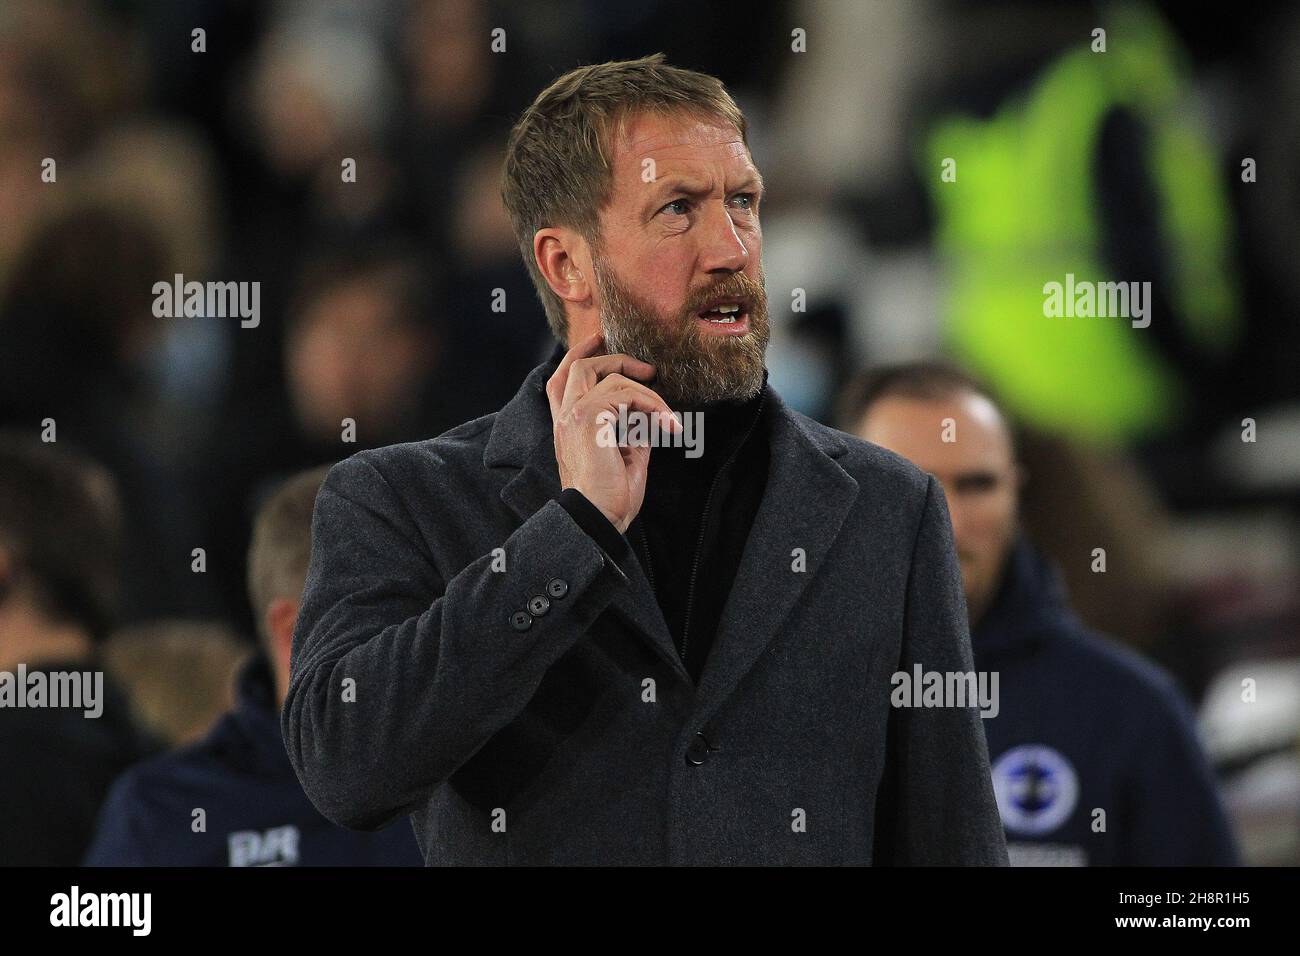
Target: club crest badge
{"x":1036,"y":788}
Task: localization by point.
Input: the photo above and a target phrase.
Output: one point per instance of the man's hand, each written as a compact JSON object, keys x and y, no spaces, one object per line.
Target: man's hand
{"x":587,"y":384}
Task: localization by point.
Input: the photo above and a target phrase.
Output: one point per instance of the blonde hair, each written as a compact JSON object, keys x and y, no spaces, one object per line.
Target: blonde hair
{"x":177,"y":673}
{"x":558,"y":159}
{"x":280,"y":549}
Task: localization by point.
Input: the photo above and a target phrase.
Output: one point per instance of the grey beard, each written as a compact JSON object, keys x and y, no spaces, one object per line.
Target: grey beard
{"x":690,"y":370}
{"x":686,"y":378}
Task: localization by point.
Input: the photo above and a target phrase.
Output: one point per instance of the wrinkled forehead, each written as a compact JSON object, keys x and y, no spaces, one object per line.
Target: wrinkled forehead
{"x":656,"y":144}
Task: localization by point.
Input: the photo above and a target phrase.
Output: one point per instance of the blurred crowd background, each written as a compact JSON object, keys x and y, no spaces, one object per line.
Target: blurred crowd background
{"x":377,"y":295}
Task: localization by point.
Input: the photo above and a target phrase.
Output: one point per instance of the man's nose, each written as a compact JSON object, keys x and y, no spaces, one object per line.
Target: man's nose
{"x":956,"y":516}
{"x":960,"y":527}
{"x":724,"y":250}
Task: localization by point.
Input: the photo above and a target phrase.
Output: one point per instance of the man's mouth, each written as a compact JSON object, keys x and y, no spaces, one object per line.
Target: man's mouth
{"x":726,"y":318}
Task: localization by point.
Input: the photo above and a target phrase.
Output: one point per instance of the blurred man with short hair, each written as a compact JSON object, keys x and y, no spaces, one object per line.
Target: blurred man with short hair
{"x":60,"y":547}
{"x":232,"y":799}
{"x":1094,"y":751}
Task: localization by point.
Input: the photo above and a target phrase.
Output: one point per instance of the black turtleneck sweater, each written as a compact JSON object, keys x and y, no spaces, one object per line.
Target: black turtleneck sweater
{"x":692,"y":527}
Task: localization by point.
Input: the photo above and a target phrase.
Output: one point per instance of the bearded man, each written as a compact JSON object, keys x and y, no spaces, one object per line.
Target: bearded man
{"x":551,"y":643}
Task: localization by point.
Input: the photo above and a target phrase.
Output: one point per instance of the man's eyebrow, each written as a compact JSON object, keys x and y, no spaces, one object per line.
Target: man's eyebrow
{"x":693,"y":187}
{"x":687,"y":187}
{"x":975,"y":475}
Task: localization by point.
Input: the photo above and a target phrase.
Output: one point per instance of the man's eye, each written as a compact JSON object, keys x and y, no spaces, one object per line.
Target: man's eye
{"x":747,"y":197}
{"x":677,"y":202}
{"x":976,"y":484}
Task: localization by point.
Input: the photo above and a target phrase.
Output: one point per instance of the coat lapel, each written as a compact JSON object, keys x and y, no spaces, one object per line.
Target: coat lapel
{"x":804,"y":505}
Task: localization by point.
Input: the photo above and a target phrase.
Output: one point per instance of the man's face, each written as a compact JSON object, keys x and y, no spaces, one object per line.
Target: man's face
{"x":675,"y":247}
{"x":977,"y":471}
{"x":354,"y":354}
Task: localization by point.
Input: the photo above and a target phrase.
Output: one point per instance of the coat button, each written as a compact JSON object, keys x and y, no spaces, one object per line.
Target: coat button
{"x":521,"y":621}
{"x":557,"y":588}
{"x":538,"y":605}
{"x":697,"y":751}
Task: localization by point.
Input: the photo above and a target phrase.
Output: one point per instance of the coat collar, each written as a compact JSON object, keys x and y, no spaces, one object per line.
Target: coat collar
{"x":807,"y":498}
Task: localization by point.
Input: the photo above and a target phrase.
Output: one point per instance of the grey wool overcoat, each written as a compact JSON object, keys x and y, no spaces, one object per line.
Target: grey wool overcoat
{"x":578,"y":737}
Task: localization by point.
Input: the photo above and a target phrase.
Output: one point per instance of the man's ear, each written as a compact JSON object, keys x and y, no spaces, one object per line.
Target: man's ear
{"x":281,"y":615}
{"x":565,"y":263}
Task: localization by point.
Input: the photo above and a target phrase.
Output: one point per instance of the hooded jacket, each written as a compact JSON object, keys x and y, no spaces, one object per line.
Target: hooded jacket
{"x":254,"y":812}
{"x":1094,"y":751}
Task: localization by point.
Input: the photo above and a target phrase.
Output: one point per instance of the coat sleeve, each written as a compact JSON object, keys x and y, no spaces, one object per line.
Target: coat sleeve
{"x":936,"y":804}
{"x":398,"y":677}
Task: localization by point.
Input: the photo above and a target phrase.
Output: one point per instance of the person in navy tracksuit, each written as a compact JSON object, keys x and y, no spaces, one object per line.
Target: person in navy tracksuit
{"x":232,"y":798}
{"x":1094,"y":752}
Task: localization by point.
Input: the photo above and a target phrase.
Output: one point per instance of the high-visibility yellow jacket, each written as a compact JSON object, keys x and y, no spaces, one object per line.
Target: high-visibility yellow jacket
{"x":1022,"y":212}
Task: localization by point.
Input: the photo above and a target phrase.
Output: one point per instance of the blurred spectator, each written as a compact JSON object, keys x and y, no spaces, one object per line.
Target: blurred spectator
{"x":365,"y":344}
{"x":1082,"y":725}
{"x":79,"y":331}
{"x":455,"y":93}
{"x":362,"y":346}
{"x":179,"y":675}
{"x":309,"y":167}
{"x":165,"y":176}
{"x":496,"y":322}
{"x":67,"y":72}
{"x":60,"y":542}
{"x":232,"y":799}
